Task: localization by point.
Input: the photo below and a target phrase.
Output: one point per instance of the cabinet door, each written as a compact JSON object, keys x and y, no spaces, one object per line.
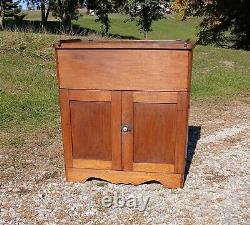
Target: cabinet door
{"x":154,"y":139}
{"x":91,"y":128}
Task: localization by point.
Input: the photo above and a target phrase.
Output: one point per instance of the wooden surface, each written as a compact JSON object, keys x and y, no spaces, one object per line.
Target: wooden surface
{"x":151,"y":146}
{"x":91,"y":130}
{"x":66,"y":127}
{"x":154,"y":70}
{"x":90,"y":95}
{"x":92,"y":164}
{"x":126,"y":177}
{"x":154,"y":140}
{"x":127,"y":138}
{"x":116,"y":118}
{"x":182,"y":134}
{"x":151,"y":143}
{"x":153,"y":167}
{"x":126,"y":44}
{"x":155,"y":97}
{"x":106,"y":85}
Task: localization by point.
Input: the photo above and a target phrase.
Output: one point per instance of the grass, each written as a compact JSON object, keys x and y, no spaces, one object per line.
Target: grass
{"x":220,"y":73}
{"x":168,"y":28}
{"x":28,"y":86}
{"x":28,"y":92}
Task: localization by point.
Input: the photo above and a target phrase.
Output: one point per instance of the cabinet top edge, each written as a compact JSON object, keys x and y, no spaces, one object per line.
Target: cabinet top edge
{"x":125,"y":44}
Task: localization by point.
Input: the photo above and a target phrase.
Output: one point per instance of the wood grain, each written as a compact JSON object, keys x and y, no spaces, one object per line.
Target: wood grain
{"x":153,"y":167}
{"x":125,"y":44}
{"x":90,"y":95}
{"x":116,"y":116}
{"x":91,"y":130}
{"x":66,"y":126}
{"x":155,"y":97}
{"x":189,"y":69}
{"x":154,"y":132}
{"x":92,"y":164}
{"x":57,"y":66}
{"x":126,"y":177}
{"x":154,"y":70}
{"x":142,"y":84}
{"x":181,"y":135}
{"x":127,"y":138}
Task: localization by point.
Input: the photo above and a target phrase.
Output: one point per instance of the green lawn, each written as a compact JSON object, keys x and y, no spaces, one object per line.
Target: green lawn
{"x":28,"y":87}
{"x":28,"y":94}
{"x":168,"y":28}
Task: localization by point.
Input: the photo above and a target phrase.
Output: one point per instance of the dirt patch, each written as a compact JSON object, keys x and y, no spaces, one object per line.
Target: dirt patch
{"x":229,"y":64}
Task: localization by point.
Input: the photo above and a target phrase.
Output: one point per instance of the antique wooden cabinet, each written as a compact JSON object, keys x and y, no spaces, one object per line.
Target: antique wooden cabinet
{"x":124,"y":109}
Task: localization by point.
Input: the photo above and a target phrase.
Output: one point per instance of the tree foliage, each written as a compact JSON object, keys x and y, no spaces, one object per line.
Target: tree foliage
{"x":45,"y":7}
{"x":102,"y":9}
{"x":144,"y":12}
{"x":223,"y":21}
{"x":66,"y":10}
{"x":8,"y":8}
{"x":181,"y":8}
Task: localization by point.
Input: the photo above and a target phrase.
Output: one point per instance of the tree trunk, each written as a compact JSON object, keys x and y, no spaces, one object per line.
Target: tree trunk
{"x":1,"y":22}
{"x":44,"y":13}
{"x":67,"y":25}
{"x":1,"y":15}
{"x":145,"y":35}
{"x":47,"y":13}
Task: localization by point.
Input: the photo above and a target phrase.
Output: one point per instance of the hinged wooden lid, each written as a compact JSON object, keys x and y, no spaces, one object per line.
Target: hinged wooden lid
{"x":125,"y":44}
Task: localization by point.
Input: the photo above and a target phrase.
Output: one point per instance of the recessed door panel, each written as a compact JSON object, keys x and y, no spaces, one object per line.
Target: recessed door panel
{"x":154,"y":132}
{"x":91,"y":130}
{"x":150,"y":144}
{"x":93,"y":121}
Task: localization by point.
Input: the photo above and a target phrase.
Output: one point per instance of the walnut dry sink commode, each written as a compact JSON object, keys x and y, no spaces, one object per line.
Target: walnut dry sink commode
{"x":124,"y":109}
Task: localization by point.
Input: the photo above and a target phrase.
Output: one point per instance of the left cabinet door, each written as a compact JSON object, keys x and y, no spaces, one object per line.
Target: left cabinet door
{"x":91,"y":125}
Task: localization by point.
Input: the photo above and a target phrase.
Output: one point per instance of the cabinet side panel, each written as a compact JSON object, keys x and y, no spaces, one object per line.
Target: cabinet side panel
{"x":189,"y":69}
{"x":66,"y":126}
{"x":181,"y":134}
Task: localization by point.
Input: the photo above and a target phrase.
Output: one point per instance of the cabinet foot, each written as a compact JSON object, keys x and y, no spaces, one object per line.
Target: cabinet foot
{"x":125,"y":177}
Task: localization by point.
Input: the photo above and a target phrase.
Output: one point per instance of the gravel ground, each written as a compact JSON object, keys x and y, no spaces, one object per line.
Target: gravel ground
{"x":216,"y":191}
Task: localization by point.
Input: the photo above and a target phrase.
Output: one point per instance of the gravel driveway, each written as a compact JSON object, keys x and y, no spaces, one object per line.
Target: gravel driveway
{"x":216,"y":191}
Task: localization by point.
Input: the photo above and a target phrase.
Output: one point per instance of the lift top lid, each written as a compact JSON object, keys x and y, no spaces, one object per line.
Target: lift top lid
{"x":125,"y":44}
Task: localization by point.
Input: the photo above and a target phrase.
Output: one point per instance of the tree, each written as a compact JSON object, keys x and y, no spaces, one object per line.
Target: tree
{"x":144,"y":12}
{"x":102,"y":9}
{"x":44,"y":12}
{"x":8,"y":8}
{"x":66,"y":10}
{"x":45,"y":7}
{"x":181,"y":8}
{"x":223,"y":22}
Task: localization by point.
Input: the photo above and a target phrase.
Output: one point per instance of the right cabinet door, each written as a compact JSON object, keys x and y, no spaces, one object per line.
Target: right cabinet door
{"x":155,"y":138}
